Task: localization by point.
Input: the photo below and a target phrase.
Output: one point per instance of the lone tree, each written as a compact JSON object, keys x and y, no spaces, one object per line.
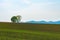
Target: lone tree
{"x":16,"y":19}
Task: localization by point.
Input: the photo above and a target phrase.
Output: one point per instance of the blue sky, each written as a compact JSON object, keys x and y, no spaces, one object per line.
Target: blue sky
{"x":48,"y":10}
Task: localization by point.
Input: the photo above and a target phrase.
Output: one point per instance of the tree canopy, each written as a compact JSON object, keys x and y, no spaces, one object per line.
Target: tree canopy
{"x":16,"y":19}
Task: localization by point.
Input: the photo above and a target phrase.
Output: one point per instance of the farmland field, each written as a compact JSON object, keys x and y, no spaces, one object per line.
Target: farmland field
{"x":26,"y":31}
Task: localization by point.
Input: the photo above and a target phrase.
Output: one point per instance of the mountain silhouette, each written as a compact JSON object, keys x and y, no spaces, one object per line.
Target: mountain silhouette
{"x":43,"y":22}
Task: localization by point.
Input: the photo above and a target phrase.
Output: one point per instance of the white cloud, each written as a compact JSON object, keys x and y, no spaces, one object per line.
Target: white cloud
{"x":35,"y":11}
{"x":26,"y":1}
{"x":41,"y":11}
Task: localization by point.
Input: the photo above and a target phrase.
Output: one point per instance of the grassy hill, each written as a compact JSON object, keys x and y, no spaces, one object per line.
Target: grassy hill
{"x":25,"y":31}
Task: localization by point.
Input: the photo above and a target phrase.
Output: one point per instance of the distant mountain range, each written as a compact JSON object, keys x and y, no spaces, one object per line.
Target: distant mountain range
{"x":44,"y":22}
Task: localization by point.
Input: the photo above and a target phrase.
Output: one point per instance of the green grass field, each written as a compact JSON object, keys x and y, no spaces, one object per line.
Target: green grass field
{"x":25,"y":31}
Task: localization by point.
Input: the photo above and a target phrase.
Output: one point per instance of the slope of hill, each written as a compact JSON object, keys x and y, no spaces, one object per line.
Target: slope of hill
{"x":28,"y":31}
